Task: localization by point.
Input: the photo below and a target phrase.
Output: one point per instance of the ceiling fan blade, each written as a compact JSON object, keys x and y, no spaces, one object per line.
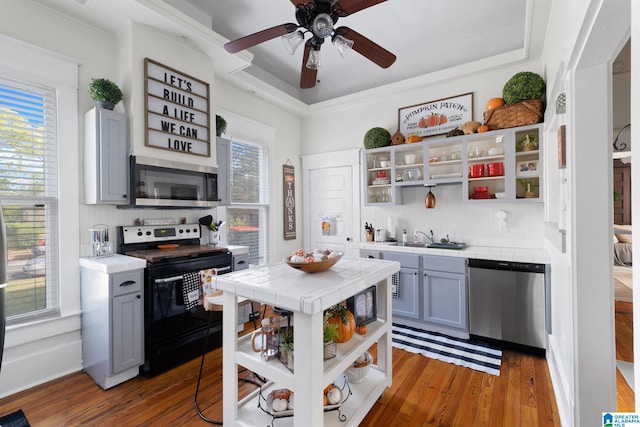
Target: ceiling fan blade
{"x":344,"y":8}
{"x":259,"y":37}
{"x":308,"y":76}
{"x":297,"y":3}
{"x":367,"y":48}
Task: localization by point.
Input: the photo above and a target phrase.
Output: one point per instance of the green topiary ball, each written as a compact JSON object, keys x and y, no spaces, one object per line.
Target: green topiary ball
{"x":522,"y":87}
{"x":377,"y":137}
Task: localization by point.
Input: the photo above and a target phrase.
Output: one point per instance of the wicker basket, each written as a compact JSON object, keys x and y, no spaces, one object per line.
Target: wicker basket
{"x":520,"y":114}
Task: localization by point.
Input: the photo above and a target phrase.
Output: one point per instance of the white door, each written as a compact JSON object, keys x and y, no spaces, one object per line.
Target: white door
{"x":331,"y":200}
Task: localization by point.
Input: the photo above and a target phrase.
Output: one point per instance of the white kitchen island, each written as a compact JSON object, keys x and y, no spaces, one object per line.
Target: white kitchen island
{"x":307,"y":295}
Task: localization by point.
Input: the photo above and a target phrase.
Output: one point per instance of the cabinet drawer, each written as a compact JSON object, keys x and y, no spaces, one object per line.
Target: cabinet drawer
{"x":405,"y":260}
{"x":240,"y":262}
{"x":364,"y":253}
{"x":443,"y":263}
{"x":126,"y":282}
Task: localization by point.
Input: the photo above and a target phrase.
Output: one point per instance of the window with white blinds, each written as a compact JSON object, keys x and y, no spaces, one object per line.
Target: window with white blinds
{"x":29,"y":197}
{"x":248,"y":214}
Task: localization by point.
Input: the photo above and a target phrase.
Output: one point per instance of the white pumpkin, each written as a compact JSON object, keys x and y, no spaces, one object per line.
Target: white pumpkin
{"x":279,"y":405}
{"x":334,"y":396}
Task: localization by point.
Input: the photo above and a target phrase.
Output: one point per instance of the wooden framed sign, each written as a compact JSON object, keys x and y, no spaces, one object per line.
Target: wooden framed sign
{"x":436,"y":117}
{"x":289,"y":197}
{"x":177,"y":110}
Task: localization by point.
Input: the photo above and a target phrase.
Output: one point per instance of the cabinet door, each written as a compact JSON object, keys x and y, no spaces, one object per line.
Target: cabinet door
{"x":106,"y":157}
{"x":406,"y":300}
{"x":445,"y":299}
{"x":127,"y":335}
{"x":223,"y":153}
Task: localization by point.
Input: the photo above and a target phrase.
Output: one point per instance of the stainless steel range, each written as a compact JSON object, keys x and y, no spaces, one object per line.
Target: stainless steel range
{"x":175,"y":325}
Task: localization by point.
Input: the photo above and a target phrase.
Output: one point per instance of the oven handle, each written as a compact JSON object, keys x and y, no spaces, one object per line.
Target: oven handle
{"x":173,"y":279}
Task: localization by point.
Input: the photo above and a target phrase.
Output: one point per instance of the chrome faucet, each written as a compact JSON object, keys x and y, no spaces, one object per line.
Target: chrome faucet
{"x":429,"y":238}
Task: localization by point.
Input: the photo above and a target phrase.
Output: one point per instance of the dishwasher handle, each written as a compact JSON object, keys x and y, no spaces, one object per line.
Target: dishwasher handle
{"x":491,"y":264}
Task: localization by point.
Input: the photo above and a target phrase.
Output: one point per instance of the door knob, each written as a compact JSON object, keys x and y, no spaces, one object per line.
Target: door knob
{"x":348,"y":239}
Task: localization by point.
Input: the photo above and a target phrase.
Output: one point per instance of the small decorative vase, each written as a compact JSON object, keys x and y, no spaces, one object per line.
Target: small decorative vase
{"x":107,"y":105}
{"x":330,"y":350}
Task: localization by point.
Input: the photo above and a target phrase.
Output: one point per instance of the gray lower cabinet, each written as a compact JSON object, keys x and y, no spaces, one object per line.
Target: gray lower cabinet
{"x":445,"y":291}
{"x":112,"y":325}
{"x":405,"y":301}
{"x":431,"y":290}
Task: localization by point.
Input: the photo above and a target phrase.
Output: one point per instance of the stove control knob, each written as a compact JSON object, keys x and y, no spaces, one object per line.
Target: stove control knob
{"x":148,"y":233}
{"x":139,"y":233}
{"x":195,"y":230}
{"x":181,"y":230}
{"x":187,"y":230}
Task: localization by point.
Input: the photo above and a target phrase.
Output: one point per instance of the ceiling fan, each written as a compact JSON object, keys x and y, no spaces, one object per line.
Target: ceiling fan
{"x":318,"y":18}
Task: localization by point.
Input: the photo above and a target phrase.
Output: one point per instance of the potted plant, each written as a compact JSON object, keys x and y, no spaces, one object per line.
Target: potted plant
{"x":377,"y":137}
{"x":329,"y":334}
{"x":529,"y":187}
{"x":523,"y":86}
{"x":286,"y":348}
{"x":528,"y":143}
{"x":221,"y":125}
{"x":105,"y":92}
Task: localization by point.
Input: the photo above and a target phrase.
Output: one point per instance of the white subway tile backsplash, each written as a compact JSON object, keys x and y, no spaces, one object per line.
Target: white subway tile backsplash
{"x":472,"y":223}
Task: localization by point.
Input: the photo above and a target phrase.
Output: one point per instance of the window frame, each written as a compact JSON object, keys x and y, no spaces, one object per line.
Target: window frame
{"x":34,"y":65}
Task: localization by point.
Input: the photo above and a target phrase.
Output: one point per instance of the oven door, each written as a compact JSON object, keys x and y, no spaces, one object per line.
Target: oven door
{"x":175,"y":320}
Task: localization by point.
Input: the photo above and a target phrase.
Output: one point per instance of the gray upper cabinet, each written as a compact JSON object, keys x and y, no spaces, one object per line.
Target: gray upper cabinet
{"x":223,"y":155}
{"x":106,"y":158}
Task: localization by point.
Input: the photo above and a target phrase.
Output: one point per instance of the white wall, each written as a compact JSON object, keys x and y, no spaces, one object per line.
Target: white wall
{"x":339,"y":127}
{"x":38,"y":353}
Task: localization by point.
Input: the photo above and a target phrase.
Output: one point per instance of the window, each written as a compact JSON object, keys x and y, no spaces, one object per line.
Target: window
{"x":247,"y":216}
{"x":29,"y":195}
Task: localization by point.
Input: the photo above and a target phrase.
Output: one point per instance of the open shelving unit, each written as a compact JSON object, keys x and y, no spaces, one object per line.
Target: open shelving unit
{"x":311,"y":295}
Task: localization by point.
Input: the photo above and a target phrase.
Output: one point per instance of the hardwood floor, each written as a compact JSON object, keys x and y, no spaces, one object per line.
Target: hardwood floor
{"x":425,"y":392}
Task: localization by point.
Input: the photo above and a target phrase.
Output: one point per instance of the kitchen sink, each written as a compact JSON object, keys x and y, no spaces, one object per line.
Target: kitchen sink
{"x":448,"y":245}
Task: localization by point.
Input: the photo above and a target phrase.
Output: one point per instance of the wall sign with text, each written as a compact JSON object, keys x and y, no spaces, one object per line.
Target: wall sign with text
{"x":177,"y":110}
{"x":289,"y":197}
{"x":436,"y":117}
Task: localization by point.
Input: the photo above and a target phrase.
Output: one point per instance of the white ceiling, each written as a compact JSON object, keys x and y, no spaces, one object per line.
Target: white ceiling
{"x":426,"y":36}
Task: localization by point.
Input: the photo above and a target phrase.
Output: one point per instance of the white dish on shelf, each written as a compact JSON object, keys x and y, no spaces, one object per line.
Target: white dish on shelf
{"x":385,"y":163}
{"x":381,"y":181}
{"x":409,"y":158}
{"x":496,"y":151}
{"x":500,"y":195}
{"x":411,"y":175}
{"x":446,"y":175}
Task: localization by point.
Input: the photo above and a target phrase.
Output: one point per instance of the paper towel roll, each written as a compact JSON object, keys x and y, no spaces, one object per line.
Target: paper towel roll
{"x":391,"y":226}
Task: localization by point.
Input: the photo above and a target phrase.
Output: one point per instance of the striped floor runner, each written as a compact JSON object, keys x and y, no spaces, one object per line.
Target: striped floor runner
{"x":468,"y":353}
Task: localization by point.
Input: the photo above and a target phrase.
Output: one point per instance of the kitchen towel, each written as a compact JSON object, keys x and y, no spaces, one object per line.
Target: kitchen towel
{"x":191,"y":289}
{"x":395,"y":285}
{"x":472,"y":354}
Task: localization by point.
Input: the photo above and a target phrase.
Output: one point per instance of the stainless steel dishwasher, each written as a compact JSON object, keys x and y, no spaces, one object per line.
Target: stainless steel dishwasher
{"x":508,"y":302}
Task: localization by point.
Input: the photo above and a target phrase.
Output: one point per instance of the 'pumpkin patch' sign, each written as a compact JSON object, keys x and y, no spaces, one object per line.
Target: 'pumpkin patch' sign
{"x":436,"y":117}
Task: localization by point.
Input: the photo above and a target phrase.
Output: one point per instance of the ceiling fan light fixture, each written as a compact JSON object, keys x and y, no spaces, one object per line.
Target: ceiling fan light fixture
{"x":291,"y":41}
{"x":314,"y":59}
{"x":322,"y":25}
{"x":343,"y":45}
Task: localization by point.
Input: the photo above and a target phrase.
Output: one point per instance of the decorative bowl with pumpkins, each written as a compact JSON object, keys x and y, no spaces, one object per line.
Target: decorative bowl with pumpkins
{"x":313,"y":262}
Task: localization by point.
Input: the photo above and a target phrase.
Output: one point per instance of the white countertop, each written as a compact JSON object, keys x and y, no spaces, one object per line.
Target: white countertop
{"x":285,"y":287}
{"x":533,"y":255}
{"x":113,"y":264}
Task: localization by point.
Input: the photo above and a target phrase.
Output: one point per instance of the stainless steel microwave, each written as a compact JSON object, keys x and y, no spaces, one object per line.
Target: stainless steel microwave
{"x":170,"y":184}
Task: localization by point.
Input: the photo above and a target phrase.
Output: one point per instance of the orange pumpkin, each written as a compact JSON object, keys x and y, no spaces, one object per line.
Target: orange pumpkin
{"x":494,"y":103}
{"x":483,"y":128}
{"x":345,"y":331}
{"x":361,"y":329}
{"x":443,"y":119}
{"x":433,"y":120}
